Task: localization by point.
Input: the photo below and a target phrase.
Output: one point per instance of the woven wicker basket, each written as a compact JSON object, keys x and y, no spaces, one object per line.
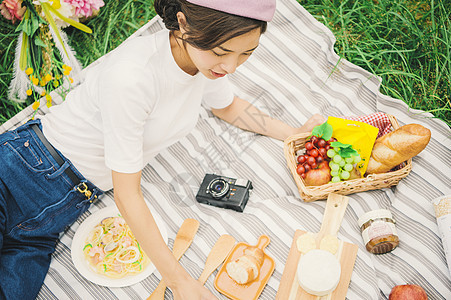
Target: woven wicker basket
{"x":371,"y":182}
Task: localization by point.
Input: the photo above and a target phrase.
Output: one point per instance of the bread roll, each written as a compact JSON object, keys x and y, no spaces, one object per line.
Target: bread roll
{"x":397,"y":146}
{"x":246,"y":268}
{"x":256,"y":252}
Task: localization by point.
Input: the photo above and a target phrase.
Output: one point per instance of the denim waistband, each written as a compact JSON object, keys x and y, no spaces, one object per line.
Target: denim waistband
{"x":80,"y":183}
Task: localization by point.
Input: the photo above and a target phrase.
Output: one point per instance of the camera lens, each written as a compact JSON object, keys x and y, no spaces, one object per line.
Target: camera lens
{"x":218,"y":188}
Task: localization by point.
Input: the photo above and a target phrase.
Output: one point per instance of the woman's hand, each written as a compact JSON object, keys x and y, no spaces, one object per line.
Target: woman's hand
{"x":308,"y":126}
{"x":131,"y":204}
{"x":191,"y":289}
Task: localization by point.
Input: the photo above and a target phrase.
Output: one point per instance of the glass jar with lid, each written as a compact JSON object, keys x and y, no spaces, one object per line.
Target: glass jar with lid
{"x":378,"y":231}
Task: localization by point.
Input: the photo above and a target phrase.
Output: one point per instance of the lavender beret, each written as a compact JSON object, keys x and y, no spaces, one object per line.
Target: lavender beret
{"x":256,"y":9}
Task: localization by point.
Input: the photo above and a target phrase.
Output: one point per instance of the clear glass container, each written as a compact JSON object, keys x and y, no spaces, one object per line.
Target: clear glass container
{"x":378,"y":231}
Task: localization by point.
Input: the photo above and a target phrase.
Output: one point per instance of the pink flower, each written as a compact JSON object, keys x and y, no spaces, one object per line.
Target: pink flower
{"x":12,"y":10}
{"x":85,"y":8}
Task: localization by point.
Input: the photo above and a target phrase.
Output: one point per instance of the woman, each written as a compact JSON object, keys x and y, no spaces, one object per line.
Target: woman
{"x":143,"y":97}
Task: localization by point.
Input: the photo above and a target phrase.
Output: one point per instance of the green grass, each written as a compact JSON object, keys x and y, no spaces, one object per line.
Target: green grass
{"x":407,"y":43}
{"x":7,"y":49}
{"x":115,"y":22}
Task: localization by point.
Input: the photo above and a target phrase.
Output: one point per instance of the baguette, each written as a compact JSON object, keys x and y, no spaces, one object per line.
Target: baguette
{"x":246,"y":268}
{"x":397,"y":146}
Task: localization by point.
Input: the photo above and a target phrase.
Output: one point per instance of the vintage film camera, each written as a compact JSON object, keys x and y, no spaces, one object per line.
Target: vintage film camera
{"x":224,"y":192}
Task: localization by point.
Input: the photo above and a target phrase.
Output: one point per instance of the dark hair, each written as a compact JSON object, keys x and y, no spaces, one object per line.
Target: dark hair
{"x":205,"y":28}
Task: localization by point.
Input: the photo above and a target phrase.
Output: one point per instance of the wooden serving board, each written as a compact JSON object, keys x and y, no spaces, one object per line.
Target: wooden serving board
{"x":251,"y":291}
{"x":289,"y":288}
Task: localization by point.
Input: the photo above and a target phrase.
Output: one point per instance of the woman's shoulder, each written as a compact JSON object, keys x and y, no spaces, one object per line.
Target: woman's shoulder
{"x":137,"y":51}
{"x":136,"y":62}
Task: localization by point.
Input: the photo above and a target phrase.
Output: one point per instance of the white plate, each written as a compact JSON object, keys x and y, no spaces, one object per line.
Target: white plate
{"x":82,"y":265}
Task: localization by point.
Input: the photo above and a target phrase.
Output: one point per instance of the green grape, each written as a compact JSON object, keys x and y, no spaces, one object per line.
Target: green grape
{"x":349,"y":160}
{"x":334,"y":173}
{"x":345,"y":175}
{"x":348,"y":167}
{"x":337,"y":158}
{"x":331,"y":153}
{"x":333,"y":166}
{"x":336,"y":179}
{"x":342,"y":163}
{"x":357,"y":159}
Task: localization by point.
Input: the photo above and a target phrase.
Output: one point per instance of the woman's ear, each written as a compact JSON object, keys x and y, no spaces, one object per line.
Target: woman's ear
{"x":182,"y":21}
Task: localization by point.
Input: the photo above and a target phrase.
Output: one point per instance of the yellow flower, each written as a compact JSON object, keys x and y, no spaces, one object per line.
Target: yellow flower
{"x":34,"y":80}
{"x":29,"y":92}
{"x":58,"y":77}
{"x":29,"y":71}
{"x":49,"y":100}
{"x":56,"y":4}
{"x":71,"y":80}
{"x":66,"y":69}
{"x":42,"y":93}
{"x":48,"y":77}
{"x":55,"y":83}
{"x":35,"y":105}
{"x":42,"y":82}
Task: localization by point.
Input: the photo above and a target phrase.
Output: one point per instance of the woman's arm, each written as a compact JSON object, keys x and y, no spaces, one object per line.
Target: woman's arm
{"x":131,"y":204}
{"x":244,"y":115}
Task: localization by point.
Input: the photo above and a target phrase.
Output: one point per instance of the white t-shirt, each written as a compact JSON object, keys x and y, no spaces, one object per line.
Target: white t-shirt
{"x":130,"y":106}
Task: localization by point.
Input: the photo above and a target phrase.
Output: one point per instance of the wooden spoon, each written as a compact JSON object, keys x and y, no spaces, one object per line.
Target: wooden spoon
{"x":217,"y":255}
{"x":182,"y":241}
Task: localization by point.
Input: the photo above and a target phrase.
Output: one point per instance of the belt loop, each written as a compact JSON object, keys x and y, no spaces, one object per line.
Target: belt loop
{"x":58,"y":172}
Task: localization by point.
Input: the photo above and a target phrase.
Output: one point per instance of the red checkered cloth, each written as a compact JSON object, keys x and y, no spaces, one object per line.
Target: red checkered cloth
{"x":378,"y":119}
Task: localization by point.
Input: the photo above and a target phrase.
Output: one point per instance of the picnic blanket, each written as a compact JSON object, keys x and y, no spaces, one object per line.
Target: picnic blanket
{"x":293,"y":74}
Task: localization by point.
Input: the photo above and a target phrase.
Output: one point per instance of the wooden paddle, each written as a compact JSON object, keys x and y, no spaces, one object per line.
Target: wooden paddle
{"x":333,"y":215}
{"x":289,"y":287}
{"x":182,"y":241}
{"x":217,"y":256}
{"x":251,"y":290}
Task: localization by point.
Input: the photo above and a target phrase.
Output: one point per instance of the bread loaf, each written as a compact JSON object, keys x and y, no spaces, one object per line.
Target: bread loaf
{"x":246,"y":268}
{"x":397,"y":146}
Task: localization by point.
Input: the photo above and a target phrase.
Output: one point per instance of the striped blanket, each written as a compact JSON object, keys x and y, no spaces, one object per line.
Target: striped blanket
{"x":292,"y":75}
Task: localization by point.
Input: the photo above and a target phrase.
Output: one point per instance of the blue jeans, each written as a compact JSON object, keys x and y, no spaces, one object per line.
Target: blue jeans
{"x":37,"y":202}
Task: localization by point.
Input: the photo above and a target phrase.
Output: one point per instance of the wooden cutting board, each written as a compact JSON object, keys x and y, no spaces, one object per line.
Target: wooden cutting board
{"x":289,"y":288}
{"x":251,"y":291}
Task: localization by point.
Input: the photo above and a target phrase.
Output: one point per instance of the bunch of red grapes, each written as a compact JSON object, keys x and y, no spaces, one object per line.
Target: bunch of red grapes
{"x":316,"y":152}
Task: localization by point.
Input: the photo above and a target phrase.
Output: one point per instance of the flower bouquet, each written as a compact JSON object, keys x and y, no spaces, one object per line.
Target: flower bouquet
{"x":44,"y":61}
